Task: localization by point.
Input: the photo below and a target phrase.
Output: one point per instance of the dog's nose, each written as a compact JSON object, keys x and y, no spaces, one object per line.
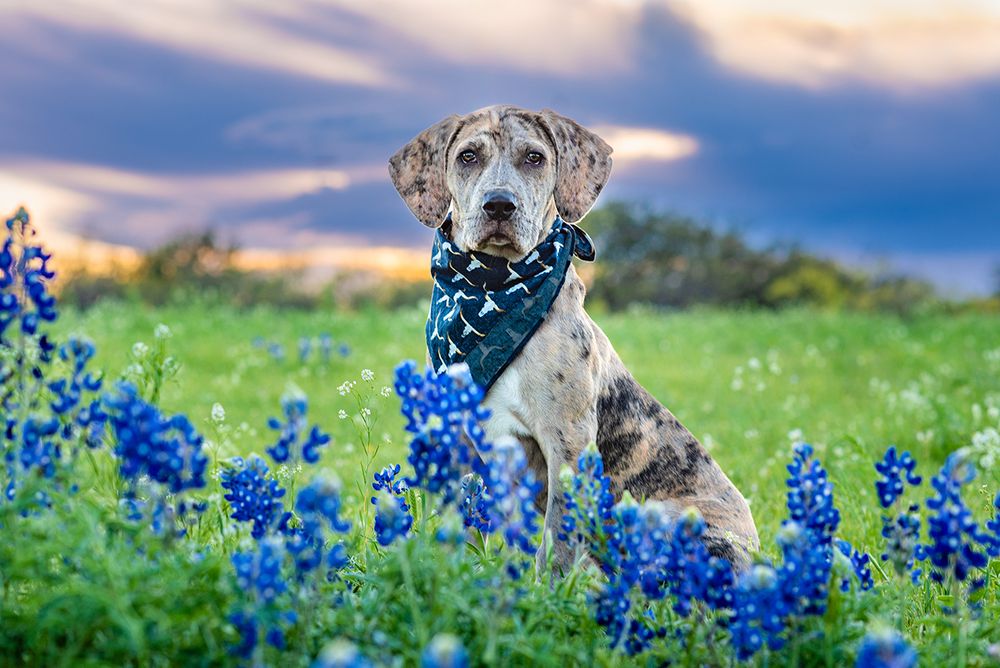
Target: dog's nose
{"x":499,"y":204}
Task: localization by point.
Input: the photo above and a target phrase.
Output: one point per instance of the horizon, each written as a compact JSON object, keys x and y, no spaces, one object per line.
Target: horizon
{"x":863,"y":133}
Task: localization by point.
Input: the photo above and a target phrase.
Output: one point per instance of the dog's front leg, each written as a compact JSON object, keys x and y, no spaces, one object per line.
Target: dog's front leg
{"x":561,"y":446}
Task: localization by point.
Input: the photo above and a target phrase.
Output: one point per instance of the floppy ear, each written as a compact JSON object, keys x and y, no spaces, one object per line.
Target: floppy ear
{"x":418,"y":172}
{"x":583,"y":165}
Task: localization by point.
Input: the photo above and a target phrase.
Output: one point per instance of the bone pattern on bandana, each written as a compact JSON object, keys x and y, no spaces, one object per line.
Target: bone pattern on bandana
{"x":484,"y":309}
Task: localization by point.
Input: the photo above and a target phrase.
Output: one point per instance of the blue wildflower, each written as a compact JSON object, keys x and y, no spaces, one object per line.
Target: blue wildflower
{"x":253,"y":496}
{"x":859,"y":566}
{"x":952,"y":530}
{"x":258,"y":574}
{"x":317,"y":505}
{"x":290,"y":444}
{"x":759,"y":612}
{"x":387,"y":479}
{"x":444,"y":651}
{"x":443,"y":415}
{"x":885,"y":648}
{"x":86,"y":419}
{"x":588,"y":500}
{"x":168,"y":450}
{"x":510,"y":502}
{"x":325,"y":347}
{"x":276,"y":351}
{"x":322,"y":497}
{"x":902,"y":534}
{"x":392,"y":518}
{"x":894,"y":469}
{"x":344,"y":350}
{"x":305,"y":348}
{"x":24,"y":274}
{"x":475,"y":503}
{"x":341,"y":654}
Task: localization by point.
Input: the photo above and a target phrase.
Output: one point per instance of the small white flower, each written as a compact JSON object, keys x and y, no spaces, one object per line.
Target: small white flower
{"x":386,"y":391}
{"x":367,"y":375}
{"x":139,"y":349}
{"x":342,"y":414}
{"x":753,"y":363}
{"x":344,"y":388}
{"x":366,"y":411}
{"x":218,"y":413}
{"x":795,"y":436}
{"x":162,"y":331}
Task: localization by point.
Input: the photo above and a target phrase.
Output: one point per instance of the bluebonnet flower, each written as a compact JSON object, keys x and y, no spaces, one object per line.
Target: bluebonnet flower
{"x":810,"y":495}
{"x":322,"y":497}
{"x":317,"y":505}
{"x":952,"y":530}
{"x":475,"y":503}
{"x":344,"y":350}
{"x":640,"y":547}
{"x":325,"y":347}
{"x":24,"y":273}
{"x":902,"y":534}
{"x":767,"y":599}
{"x":290,"y":445}
{"x":392,"y":513}
{"x":759,"y":612}
{"x":341,"y":654}
{"x":885,"y":648}
{"x":510,"y":502}
{"x":387,"y":479}
{"x":451,"y":532}
{"x":859,"y":565}
{"x":305,"y":348}
{"x":690,"y":573}
{"x":276,"y":351}
{"x":253,"y":496}
{"x":894,"y":469}
{"x":392,"y":518}
{"x":168,"y":450}
{"x":258,"y":574}
{"x":444,"y":651}
{"x":443,"y":415}
{"x":87,"y":419}
{"x":38,"y":450}
{"x":588,"y":499}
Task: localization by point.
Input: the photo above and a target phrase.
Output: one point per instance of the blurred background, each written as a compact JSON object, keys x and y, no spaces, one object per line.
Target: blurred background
{"x":767,"y":153}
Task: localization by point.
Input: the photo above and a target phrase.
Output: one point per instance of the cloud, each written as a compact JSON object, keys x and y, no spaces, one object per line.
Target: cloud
{"x":140,"y":208}
{"x":579,"y":38}
{"x":256,"y":33}
{"x":646,"y":144}
{"x":896,"y":44}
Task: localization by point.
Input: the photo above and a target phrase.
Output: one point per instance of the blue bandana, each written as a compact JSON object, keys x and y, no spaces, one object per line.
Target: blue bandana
{"x":485,"y":308}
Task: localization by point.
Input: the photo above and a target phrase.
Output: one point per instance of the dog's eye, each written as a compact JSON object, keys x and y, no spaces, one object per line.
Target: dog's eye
{"x":534,"y":158}
{"x":468,"y":157}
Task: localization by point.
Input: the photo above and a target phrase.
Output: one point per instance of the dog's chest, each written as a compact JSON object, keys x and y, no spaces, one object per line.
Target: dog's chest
{"x":508,"y":410}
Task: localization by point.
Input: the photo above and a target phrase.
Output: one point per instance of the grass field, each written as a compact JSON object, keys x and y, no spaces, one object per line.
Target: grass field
{"x":746,"y":383}
{"x":91,"y":577}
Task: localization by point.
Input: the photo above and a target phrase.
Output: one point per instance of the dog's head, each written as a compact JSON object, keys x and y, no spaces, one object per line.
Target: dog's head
{"x":503,"y":173}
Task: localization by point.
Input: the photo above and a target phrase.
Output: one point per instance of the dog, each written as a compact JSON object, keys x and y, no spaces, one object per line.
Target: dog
{"x":500,"y":176}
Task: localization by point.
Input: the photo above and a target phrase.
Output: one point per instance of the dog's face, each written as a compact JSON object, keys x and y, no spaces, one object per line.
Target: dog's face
{"x":504,"y":173}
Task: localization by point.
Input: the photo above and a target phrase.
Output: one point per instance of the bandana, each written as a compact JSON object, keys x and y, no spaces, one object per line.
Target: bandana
{"x":485,"y":308}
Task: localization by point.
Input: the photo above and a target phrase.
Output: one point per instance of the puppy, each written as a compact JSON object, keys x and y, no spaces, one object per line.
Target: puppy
{"x":505,"y":179}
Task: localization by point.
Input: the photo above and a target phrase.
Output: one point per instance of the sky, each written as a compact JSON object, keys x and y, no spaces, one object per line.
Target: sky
{"x":864,"y":130}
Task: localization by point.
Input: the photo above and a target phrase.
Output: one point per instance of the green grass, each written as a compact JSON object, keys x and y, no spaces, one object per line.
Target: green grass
{"x":850,"y":383}
{"x":743,"y":382}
